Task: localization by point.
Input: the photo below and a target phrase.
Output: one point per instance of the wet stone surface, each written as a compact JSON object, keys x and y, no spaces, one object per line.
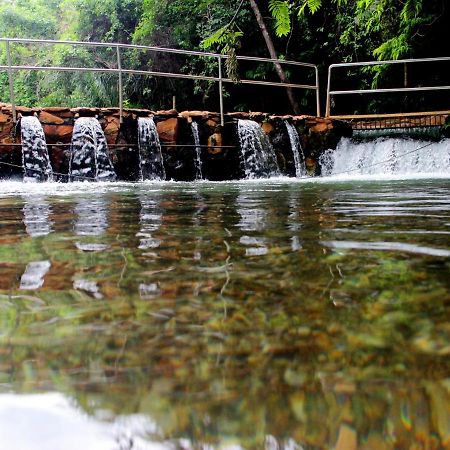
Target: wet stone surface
{"x":251,"y":315}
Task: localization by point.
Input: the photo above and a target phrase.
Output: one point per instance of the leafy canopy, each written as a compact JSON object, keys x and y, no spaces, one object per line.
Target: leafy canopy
{"x":380,"y":18}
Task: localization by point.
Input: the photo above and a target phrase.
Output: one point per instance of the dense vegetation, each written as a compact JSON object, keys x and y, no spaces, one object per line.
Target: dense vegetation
{"x":317,"y":31}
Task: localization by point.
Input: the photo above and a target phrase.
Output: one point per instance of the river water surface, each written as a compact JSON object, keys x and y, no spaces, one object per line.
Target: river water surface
{"x":251,"y":315}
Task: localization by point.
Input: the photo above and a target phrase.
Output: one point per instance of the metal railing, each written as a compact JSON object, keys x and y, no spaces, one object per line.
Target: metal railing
{"x":330,"y":93}
{"x":120,"y":71}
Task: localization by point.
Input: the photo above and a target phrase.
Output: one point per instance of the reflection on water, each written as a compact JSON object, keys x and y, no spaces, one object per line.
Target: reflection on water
{"x":294,"y":223}
{"x":55,"y":422}
{"x":228,"y":316}
{"x":92,"y":217}
{"x":92,"y":221}
{"x":87,"y":286}
{"x":253,"y":220}
{"x":36,"y":213}
{"x":33,"y":277}
{"x":150,"y":219}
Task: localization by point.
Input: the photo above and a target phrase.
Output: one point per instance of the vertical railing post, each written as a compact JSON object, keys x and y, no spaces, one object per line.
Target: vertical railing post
{"x":405,"y":75}
{"x":317,"y":92}
{"x":222,"y":118}
{"x":119,"y":66}
{"x":328,"y":106}
{"x":11,"y":82}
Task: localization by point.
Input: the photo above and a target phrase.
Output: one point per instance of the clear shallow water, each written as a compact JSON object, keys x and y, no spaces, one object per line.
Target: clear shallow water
{"x":281,"y":314}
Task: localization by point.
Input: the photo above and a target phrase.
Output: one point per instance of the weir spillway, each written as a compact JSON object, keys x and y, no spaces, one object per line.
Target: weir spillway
{"x":92,"y":144}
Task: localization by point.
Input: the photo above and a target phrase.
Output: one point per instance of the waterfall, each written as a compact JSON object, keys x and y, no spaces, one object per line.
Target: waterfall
{"x":89,"y":152}
{"x":297,"y":150}
{"x":387,"y":156}
{"x":198,"y":151}
{"x":151,"y":163}
{"x":35,"y":159}
{"x":258,"y":156}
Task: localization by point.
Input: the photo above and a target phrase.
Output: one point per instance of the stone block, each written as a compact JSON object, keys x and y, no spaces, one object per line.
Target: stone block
{"x":112,"y":129}
{"x":214,"y":144}
{"x":267,"y":127}
{"x":47,"y":118}
{"x":168,"y":130}
{"x":4,"y":118}
{"x":58,"y":133}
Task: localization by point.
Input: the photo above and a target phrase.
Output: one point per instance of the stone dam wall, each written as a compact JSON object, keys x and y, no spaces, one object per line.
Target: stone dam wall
{"x":220,"y":151}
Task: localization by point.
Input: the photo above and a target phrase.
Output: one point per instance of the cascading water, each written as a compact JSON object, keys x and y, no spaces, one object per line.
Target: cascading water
{"x":151,"y":163}
{"x":198,"y":151}
{"x":297,"y":150}
{"x":35,"y":159}
{"x":89,"y":152}
{"x":258,"y":156}
{"x":387,"y":156}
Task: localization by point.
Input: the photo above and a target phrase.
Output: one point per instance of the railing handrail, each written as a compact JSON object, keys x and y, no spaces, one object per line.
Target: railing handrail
{"x":330,"y":93}
{"x":120,"y":70}
{"x":154,"y":48}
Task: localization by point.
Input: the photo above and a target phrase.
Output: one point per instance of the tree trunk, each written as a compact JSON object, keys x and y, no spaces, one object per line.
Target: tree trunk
{"x":273,"y":55}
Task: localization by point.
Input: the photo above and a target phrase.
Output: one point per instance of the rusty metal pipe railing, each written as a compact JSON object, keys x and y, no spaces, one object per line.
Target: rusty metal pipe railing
{"x":330,"y":93}
{"x":121,"y":71}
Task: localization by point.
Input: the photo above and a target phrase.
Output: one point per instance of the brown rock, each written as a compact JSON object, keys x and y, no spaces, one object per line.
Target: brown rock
{"x":198,"y":114}
{"x":58,"y":157}
{"x":6,"y":139}
{"x":378,"y":442}
{"x":139,"y":112}
{"x":214,"y":143}
{"x":347,"y":438}
{"x":45,"y":117}
{"x":267,"y":127}
{"x":239,"y":115}
{"x":4,"y":118}
{"x":212,"y":123}
{"x":311,"y":165}
{"x":55,"y":109}
{"x":167,"y":113}
{"x":320,"y":127}
{"x":24,"y":109}
{"x":112,"y":129}
{"x":257,"y":115}
{"x":168,"y":130}
{"x":66,"y":114}
{"x":58,"y":133}
{"x":87,"y":112}
{"x":5,"y":132}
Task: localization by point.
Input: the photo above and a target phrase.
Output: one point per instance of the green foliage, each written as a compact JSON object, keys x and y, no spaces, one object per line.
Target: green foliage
{"x":229,"y":40}
{"x":313,"y":5}
{"x":280,"y":11}
{"x":394,"y":26}
{"x":308,"y":30}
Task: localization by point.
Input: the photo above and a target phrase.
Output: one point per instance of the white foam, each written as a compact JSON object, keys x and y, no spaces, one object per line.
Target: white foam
{"x":388,"y":156}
